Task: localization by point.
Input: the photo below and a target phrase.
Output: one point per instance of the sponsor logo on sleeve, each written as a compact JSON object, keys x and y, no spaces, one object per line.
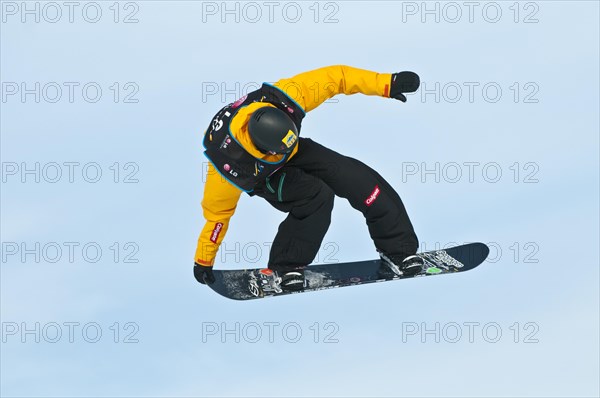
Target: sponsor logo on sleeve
{"x":369,"y":201}
{"x":216,"y":232}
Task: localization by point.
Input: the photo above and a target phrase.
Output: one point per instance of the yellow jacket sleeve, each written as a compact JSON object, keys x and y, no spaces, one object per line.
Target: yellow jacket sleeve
{"x":311,"y":89}
{"x":218,"y":205}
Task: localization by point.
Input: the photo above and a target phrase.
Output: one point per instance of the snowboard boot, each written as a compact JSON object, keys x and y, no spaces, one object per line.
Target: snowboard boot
{"x":292,"y":281}
{"x":402,"y":265}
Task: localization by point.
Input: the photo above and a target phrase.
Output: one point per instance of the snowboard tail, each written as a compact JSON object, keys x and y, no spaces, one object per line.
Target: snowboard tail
{"x":249,"y":284}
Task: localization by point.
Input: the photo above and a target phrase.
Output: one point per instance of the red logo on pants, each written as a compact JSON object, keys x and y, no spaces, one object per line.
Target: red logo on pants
{"x":373,"y":196}
{"x":216,"y":231}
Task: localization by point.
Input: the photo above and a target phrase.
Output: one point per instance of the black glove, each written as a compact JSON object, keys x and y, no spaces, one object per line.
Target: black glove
{"x":204,"y":274}
{"x":404,"y":82}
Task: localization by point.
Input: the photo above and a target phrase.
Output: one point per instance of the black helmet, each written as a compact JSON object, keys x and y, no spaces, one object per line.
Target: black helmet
{"x":271,"y":130}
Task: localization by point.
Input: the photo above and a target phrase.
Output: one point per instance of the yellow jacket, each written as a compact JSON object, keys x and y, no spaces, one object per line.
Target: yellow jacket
{"x":309,"y":90}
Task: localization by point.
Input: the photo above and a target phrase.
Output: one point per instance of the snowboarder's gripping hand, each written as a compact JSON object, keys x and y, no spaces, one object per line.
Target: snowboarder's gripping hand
{"x":404,"y":82}
{"x":204,"y":274}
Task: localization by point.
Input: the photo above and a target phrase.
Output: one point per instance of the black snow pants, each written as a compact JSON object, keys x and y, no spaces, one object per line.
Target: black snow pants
{"x":305,"y":188}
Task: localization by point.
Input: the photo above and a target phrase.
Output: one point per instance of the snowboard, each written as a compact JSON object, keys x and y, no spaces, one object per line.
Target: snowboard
{"x":250,"y":284}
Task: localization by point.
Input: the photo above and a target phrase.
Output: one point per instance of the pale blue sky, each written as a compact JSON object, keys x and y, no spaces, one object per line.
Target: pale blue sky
{"x":542,"y":223}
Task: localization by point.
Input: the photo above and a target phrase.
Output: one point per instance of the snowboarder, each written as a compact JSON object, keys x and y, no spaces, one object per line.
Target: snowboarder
{"x":253,"y":146}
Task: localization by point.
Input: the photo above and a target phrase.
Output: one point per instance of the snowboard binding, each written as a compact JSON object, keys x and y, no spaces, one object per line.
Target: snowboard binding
{"x":403,"y":266}
{"x":267,"y":281}
{"x":264,"y":281}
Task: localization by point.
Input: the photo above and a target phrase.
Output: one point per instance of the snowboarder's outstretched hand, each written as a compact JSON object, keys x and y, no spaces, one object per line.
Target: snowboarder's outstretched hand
{"x":404,"y":82}
{"x":204,"y":274}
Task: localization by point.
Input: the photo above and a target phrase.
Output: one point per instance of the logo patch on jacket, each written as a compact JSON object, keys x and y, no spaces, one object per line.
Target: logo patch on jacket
{"x":225,"y":142}
{"x":239,"y":101}
{"x":289,"y":139}
{"x":216,"y":232}
{"x":258,"y":168}
{"x":373,"y":196}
